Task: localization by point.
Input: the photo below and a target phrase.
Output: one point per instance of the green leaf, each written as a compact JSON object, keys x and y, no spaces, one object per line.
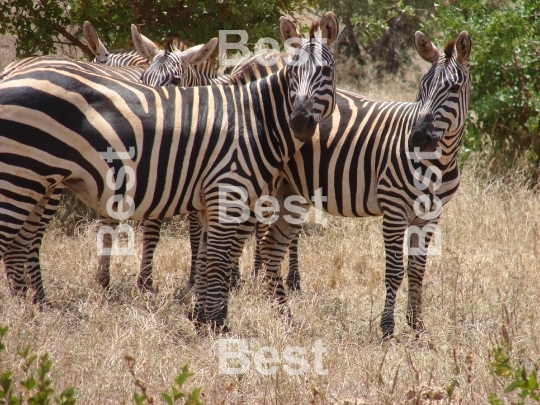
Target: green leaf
{"x":533,"y":384}
{"x":514,"y":385}
{"x":29,"y":384}
{"x":167,"y":398}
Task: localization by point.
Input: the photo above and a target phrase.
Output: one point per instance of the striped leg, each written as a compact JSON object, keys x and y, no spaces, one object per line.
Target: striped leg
{"x":15,"y":214}
{"x":198,"y":315}
{"x":14,"y":261}
{"x":195,"y":229}
{"x":293,"y":277}
{"x":150,"y":240}
{"x":415,"y":272}
{"x":282,"y":231}
{"x":195,"y":233}
{"x":103,"y":275}
{"x":260,"y":230}
{"x":212,"y":283}
{"x":394,"y":228}
{"x":276,"y":241}
{"x":33,"y":268}
{"x":245,"y":229}
{"x":273,"y":246}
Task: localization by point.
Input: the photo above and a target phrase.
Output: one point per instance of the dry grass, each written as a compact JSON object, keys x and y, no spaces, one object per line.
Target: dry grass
{"x":486,"y":280}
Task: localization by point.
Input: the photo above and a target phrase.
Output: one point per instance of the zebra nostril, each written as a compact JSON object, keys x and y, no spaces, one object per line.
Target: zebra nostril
{"x":303,"y":124}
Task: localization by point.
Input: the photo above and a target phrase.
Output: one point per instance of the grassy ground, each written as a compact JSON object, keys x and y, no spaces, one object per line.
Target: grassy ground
{"x":481,"y":291}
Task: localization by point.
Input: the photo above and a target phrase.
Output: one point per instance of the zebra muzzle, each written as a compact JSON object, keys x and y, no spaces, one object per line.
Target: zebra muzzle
{"x":422,"y":136}
{"x":302,"y":121}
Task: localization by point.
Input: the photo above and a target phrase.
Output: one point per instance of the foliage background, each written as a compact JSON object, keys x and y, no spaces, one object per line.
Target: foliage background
{"x":505,"y":105}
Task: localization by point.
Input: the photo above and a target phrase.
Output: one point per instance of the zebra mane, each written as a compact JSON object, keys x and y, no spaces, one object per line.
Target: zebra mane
{"x":315,"y":29}
{"x":174,"y":42}
{"x":449,"y":48}
{"x":253,"y":70}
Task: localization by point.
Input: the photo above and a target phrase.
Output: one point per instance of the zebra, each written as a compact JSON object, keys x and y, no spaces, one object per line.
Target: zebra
{"x":187,"y":73}
{"x":69,"y":125}
{"x":377,"y":158}
{"x":18,"y":255}
{"x":174,"y":46}
{"x":169,"y":68}
{"x":119,"y":58}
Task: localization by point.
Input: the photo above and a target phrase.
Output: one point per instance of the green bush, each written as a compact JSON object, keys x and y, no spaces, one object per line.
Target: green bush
{"x":40,"y":26}
{"x":505,"y":98}
{"x":36,"y":388}
{"x":515,"y":378}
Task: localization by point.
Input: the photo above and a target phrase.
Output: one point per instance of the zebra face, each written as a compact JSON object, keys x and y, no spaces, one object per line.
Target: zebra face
{"x":310,"y":75}
{"x":444,"y":93}
{"x":174,"y":67}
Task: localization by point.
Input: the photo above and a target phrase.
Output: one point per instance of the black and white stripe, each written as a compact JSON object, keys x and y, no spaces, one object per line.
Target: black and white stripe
{"x":364,"y":164}
{"x":186,"y":143}
{"x":17,"y":258}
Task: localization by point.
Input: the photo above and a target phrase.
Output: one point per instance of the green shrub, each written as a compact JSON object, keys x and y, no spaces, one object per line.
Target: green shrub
{"x":36,"y":387}
{"x":505,"y":98}
{"x":517,"y":378}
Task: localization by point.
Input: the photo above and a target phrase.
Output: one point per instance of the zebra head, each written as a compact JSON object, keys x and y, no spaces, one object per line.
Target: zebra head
{"x":310,"y":74}
{"x":171,"y":66}
{"x":444,"y":93}
{"x":93,"y":41}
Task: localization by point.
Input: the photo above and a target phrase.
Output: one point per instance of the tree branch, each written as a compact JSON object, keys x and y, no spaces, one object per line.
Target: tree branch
{"x":74,"y":40}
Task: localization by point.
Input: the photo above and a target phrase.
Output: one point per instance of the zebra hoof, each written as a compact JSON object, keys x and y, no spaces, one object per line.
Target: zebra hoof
{"x":104,"y":282}
{"x":388,"y":335}
{"x":293,"y":286}
{"x":236,"y":284}
{"x":219,"y":328}
{"x":146,"y":286}
{"x":42,"y":303}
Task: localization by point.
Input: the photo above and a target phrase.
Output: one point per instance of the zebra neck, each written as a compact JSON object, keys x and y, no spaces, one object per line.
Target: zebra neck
{"x":274,"y":101}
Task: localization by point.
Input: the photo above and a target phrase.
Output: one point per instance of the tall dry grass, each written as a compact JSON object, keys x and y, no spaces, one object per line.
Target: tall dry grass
{"x":485,"y":281}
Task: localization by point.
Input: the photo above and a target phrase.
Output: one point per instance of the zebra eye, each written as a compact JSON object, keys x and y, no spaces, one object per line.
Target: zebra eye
{"x":455,"y":88}
{"x":327,"y":71}
{"x":176,"y":81}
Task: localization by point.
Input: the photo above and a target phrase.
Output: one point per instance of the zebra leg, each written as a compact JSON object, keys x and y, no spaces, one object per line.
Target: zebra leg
{"x":222,"y":230}
{"x":33,"y":267}
{"x":260,"y":230}
{"x":150,"y":240}
{"x":12,"y":236}
{"x":195,"y":233}
{"x":103,"y":275}
{"x":416,"y":269}
{"x":218,"y":274}
{"x":274,"y":246}
{"x":198,"y":314}
{"x":293,"y":277}
{"x":281,"y":234}
{"x":244,"y":230}
{"x":14,"y":261}
{"x":394,"y":234}
{"x":18,"y":254}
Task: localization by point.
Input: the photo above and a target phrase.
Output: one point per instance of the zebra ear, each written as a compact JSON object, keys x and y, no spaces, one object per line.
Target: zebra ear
{"x":144,"y":47}
{"x":463,"y":46}
{"x":425,"y":48}
{"x":329,"y":27}
{"x":93,"y":41}
{"x":202,"y":54}
{"x":288,"y":30}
